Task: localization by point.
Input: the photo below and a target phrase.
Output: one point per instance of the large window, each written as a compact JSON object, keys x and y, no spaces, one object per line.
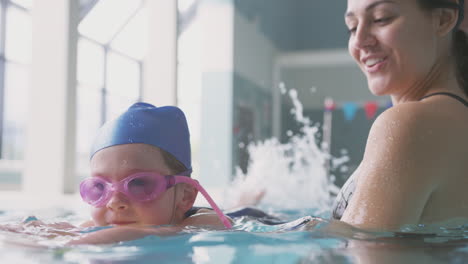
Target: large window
{"x":189,"y":72}
{"x":15,"y":37}
{"x":111,"y":47}
{"x":15,"y":60}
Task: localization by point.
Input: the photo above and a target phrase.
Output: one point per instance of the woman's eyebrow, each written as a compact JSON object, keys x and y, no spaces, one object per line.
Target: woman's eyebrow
{"x":371,"y":6}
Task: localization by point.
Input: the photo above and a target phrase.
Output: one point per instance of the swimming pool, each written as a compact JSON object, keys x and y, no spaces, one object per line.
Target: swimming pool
{"x":249,"y":242}
{"x":297,"y":187}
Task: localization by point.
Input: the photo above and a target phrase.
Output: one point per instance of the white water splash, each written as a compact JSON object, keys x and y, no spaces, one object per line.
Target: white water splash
{"x":291,"y":175}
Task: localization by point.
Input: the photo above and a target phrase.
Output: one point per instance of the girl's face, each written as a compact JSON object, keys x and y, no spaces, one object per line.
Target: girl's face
{"x":393,"y":42}
{"x":116,"y":163}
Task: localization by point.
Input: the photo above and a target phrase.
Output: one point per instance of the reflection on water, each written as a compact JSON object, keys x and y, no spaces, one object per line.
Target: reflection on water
{"x":253,"y":242}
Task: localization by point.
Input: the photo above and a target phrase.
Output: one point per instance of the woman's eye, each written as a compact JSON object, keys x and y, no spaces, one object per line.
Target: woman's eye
{"x":352,"y":30}
{"x":381,"y":20}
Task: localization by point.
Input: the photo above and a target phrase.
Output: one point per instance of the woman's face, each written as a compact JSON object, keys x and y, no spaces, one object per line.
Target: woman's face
{"x":393,"y":42}
{"x":116,"y":163}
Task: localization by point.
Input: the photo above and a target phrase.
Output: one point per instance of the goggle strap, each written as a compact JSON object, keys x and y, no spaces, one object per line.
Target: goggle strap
{"x":213,"y":205}
{"x":170,"y":181}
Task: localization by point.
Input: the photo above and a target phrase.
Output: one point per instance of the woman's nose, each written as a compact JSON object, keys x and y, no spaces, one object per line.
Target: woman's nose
{"x":118,"y":201}
{"x":364,"y":38}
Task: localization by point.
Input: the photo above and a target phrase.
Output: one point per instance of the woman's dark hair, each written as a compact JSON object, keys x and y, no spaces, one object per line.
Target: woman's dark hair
{"x":460,"y":38}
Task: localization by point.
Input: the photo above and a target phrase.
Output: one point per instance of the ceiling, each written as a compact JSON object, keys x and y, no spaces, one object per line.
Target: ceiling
{"x":294,"y":25}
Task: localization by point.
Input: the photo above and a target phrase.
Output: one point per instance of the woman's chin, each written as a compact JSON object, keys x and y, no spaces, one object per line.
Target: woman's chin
{"x":377,"y":92}
{"x":378,"y":89}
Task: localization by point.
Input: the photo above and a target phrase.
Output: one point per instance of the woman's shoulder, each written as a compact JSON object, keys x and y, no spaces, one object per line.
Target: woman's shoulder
{"x":420,"y":118}
{"x":419,"y":134}
{"x":403,"y":121}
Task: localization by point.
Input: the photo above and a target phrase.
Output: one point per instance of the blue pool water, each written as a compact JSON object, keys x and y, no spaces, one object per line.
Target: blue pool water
{"x":249,"y":242}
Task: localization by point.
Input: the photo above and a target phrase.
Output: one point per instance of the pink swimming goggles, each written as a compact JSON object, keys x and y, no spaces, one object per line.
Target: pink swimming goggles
{"x":141,"y":187}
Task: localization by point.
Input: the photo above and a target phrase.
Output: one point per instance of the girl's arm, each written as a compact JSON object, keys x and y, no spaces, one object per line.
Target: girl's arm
{"x":89,"y":223}
{"x":38,"y":228}
{"x":205,"y":218}
{"x":124,"y":233}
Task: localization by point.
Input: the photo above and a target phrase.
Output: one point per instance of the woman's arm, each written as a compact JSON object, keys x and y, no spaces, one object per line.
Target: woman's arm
{"x":399,"y":170}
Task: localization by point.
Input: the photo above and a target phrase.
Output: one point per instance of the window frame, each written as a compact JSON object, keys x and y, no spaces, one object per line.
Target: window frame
{"x":5,"y":5}
{"x":103,"y":89}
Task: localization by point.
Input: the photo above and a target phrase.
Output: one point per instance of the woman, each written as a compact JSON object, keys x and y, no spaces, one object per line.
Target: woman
{"x":415,"y":165}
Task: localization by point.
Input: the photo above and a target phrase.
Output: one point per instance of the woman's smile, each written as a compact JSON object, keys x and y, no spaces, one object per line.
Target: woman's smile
{"x":374,"y":63}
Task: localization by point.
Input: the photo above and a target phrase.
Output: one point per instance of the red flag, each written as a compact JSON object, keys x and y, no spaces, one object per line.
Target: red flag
{"x":371,"y":109}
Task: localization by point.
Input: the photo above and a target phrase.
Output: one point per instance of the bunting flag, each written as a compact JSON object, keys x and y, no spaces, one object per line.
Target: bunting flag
{"x":389,"y":104}
{"x":349,"y":110}
{"x":371,"y":109}
{"x":329,"y":104}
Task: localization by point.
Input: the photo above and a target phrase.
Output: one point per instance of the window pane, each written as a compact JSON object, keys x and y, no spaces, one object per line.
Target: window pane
{"x":90,"y":68}
{"x":28,"y":4}
{"x":106,"y":18}
{"x":16,"y":107}
{"x":88,"y":117}
{"x":18,"y":36}
{"x":123,"y":76}
{"x":132,"y":39}
{"x":10,"y":180}
{"x":88,"y":122}
{"x":184,"y":5}
{"x":117,"y":105}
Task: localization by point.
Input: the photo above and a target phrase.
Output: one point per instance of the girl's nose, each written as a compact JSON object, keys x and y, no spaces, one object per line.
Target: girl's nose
{"x":118,"y":201}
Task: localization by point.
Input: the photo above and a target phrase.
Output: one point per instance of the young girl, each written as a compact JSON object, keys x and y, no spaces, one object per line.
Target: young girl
{"x":140,"y":179}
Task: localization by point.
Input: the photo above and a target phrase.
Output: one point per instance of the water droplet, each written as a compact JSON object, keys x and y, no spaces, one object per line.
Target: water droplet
{"x":282,"y":87}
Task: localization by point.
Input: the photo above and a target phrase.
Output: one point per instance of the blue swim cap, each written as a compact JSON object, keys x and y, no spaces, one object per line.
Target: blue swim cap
{"x":162,"y":127}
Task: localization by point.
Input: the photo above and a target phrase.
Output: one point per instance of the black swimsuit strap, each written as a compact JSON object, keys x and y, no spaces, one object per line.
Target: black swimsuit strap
{"x":463,"y":101}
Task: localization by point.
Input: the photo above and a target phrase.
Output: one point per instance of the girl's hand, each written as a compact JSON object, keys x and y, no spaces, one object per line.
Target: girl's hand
{"x":14,"y":228}
{"x":40,"y":229}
